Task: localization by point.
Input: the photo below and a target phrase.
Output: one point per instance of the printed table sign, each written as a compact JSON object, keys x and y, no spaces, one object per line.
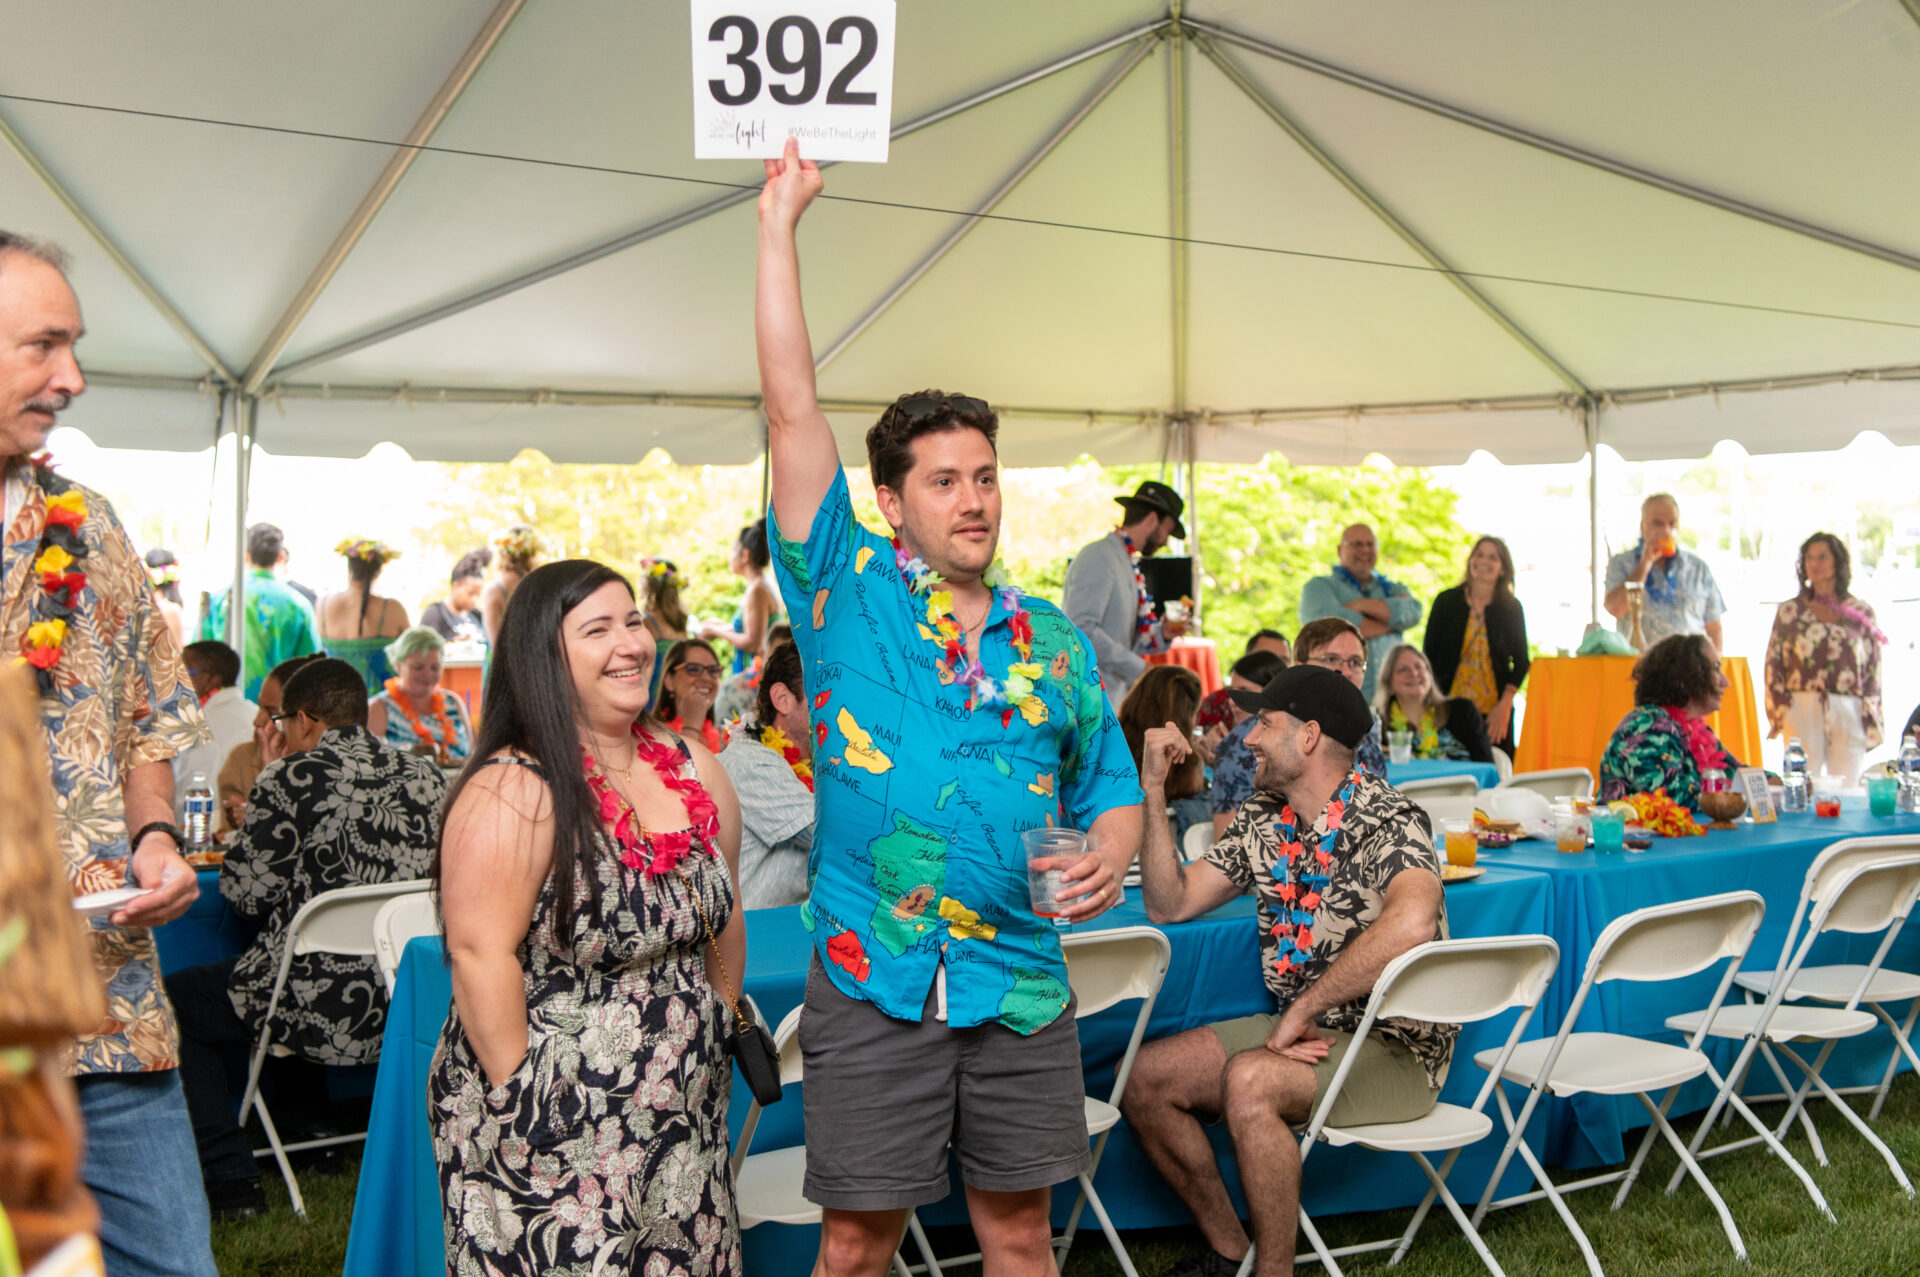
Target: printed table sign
{"x":767,"y":70}
{"x":1753,"y":783}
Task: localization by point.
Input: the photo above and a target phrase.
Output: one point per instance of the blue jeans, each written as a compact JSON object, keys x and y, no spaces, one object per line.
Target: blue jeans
{"x":144,"y":1174}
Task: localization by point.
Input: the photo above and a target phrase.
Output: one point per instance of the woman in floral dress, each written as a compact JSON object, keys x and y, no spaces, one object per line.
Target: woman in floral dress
{"x":1823,"y":664}
{"x":579,"y":1092}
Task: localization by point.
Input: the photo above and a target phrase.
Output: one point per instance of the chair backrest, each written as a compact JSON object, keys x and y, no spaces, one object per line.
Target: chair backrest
{"x":1827,"y":869}
{"x":1461,"y":981}
{"x":341,"y":921}
{"x":1502,"y":763}
{"x":1444,"y":807}
{"x":1666,"y":942}
{"x":1109,"y":967}
{"x":1439,"y":787}
{"x":1197,"y":841}
{"x":1870,"y":896}
{"x":401,"y":919}
{"x":786,"y":1041}
{"x":1556,"y":782}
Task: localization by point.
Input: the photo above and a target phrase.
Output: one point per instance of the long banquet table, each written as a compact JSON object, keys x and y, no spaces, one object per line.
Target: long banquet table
{"x":1215,"y":975}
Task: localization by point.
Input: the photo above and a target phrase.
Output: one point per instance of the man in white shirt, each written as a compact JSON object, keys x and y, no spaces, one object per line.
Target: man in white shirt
{"x":213,"y":668}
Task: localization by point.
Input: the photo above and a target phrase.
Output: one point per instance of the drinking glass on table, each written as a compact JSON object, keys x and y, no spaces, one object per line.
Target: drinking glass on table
{"x":1399,"y":747}
{"x":1462,"y":846}
{"x":1050,"y":852}
{"x":1609,"y":830}
{"x":1826,"y":797}
{"x":1569,"y":827}
{"x":1883,"y":795}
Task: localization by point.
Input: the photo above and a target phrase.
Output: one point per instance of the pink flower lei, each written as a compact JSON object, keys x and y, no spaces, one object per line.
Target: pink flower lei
{"x":653,"y":853}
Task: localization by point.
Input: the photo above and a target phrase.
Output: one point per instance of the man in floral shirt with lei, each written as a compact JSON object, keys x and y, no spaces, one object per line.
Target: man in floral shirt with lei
{"x":1341,"y":895}
{"x":76,"y":606}
{"x":950,"y":713}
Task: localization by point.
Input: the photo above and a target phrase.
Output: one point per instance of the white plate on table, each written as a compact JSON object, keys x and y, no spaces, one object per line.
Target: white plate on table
{"x":100,"y":904}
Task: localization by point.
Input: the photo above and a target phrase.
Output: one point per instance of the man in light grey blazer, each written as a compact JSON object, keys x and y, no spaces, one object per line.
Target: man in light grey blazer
{"x":1104,"y":593}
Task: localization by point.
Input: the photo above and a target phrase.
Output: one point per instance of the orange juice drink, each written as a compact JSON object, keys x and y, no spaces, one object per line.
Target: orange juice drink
{"x":1462,"y":846}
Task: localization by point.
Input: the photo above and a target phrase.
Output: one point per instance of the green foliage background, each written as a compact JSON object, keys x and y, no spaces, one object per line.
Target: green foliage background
{"x":1264,"y":529}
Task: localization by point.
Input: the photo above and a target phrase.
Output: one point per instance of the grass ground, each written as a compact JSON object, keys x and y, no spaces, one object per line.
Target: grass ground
{"x":1878,"y":1230}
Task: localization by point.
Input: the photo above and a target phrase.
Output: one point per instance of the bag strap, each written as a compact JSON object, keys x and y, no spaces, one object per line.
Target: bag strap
{"x":713,"y":943}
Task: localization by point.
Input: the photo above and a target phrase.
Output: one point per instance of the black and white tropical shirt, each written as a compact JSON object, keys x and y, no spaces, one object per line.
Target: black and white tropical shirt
{"x":345,"y":813}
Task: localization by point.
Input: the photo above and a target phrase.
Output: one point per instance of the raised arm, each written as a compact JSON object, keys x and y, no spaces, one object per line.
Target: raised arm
{"x":1175,"y":891}
{"x":804,"y":456}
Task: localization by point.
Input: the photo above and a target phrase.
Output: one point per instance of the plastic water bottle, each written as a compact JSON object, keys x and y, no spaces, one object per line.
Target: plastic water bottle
{"x":199,"y":822}
{"x":1909,"y":797}
{"x":1794,"y":784}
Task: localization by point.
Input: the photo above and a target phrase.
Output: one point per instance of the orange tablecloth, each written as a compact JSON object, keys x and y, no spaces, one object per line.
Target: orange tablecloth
{"x":462,"y":678}
{"x":1575,"y":702}
{"x":1197,"y":655}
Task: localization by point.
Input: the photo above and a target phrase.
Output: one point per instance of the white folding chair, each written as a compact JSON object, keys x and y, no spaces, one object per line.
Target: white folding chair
{"x":1860,"y":898}
{"x":338,"y":922}
{"x":768,"y":1188}
{"x":1197,"y":841}
{"x":1446,"y":982}
{"x":1555,"y":782}
{"x":1444,"y":807}
{"x":401,"y":919}
{"x":1665,"y":942}
{"x":1502,"y":763}
{"x":1439,"y":787}
{"x":1836,"y":984}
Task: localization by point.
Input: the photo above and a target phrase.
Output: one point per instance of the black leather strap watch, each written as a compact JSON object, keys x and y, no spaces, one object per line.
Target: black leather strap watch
{"x":168,"y":828}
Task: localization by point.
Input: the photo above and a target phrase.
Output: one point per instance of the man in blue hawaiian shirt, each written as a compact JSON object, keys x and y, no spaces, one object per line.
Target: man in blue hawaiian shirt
{"x":950,"y":714}
{"x":1680,"y":595}
{"x":1384,"y":610}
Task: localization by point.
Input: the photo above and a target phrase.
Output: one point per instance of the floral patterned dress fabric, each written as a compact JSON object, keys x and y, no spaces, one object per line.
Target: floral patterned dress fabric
{"x":1382,"y":834}
{"x":1807,"y":654}
{"x":121,"y":699}
{"x":346,"y":813}
{"x":1473,"y":677}
{"x":1648,"y":752}
{"x":606,"y":1150}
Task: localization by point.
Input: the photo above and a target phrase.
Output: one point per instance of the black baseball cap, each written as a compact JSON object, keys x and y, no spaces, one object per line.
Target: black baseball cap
{"x":1161,"y":498}
{"x":1314,"y":694}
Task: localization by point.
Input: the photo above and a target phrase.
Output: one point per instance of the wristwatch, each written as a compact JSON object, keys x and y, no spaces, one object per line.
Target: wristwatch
{"x":161,"y":826}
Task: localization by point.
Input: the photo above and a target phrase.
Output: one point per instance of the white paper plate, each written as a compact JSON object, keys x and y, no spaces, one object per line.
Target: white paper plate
{"x":102,"y":903}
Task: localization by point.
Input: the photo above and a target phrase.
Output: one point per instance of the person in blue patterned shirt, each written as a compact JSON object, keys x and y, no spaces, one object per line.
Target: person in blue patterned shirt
{"x":950,"y":713}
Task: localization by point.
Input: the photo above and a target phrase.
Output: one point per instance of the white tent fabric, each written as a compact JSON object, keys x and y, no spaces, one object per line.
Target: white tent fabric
{"x":1753,"y":162}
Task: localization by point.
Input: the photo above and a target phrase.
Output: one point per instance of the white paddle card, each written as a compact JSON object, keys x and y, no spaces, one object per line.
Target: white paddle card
{"x":767,"y":70}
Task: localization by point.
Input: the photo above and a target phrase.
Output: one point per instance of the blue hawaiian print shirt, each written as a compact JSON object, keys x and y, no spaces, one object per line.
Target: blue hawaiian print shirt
{"x":920,"y":800}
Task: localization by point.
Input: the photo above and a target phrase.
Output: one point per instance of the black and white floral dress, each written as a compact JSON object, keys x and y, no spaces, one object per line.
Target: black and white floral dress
{"x":606,"y":1150}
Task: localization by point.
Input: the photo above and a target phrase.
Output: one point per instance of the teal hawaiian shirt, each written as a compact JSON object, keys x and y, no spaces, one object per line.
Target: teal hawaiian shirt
{"x":278,"y":625}
{"x":920,"y":799}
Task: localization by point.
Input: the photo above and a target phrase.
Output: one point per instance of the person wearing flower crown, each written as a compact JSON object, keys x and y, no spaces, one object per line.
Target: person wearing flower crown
{"x":770,"y":758}
{"x":356,"y":625}
{"x":1356,"y":591}
{"x":951,"y":713}
{"x":1680,"y":595}
{"x":163,"y":574}
{"x":116,"y":708}
{"x":665,"y":613}
{"x":1339,"y":899}
{"x":516,"y":550}
{"x":1106,"y":595}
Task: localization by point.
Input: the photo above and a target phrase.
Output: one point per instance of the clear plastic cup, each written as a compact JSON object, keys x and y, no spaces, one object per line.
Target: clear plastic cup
{"x":1883,"y":795}
{"x":1462,"y":846}
{"x":1399,"y":747}
{"x":1570,"y":831}
{"x":1609,"y":830}
{"x":1050,"y":852}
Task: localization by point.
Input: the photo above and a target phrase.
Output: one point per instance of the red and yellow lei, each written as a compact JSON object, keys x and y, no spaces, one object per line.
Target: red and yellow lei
{"x":442,"y":740}
{"x":58,"y":566}
{"x":776,"y":740}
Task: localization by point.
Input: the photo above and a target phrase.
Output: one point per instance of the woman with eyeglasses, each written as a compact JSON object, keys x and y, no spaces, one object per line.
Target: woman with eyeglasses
{"x":1408,"y":701}
{"x":1335,"y":643}
{"x":688,"y":687}
{"x":760,"y":610}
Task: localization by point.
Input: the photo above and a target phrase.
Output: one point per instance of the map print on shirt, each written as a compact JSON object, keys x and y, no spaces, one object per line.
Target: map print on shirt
{"x":909,"y":868}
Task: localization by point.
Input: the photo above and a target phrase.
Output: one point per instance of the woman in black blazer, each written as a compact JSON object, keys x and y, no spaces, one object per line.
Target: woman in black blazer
{"x":1477,"y":639}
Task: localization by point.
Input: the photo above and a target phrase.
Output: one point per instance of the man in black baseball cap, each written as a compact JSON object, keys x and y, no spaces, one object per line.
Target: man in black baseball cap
{"x":1107,"y":597}
{"x":1347,"y":880}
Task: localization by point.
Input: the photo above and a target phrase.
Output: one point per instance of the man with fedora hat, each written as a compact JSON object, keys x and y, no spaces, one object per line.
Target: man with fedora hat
{"x":1106,"y":596}
{"x":1347,"y":880}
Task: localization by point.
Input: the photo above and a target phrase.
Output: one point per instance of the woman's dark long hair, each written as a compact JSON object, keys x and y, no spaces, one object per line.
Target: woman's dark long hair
{"x":1842,"y":565}
{"x":1503,"y":585}
{"x":531,"y":708}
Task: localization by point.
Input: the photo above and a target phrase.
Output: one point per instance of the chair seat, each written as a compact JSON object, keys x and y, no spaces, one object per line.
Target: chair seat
{"x":1446,"y":1126}
{"x":767,"y":1190}
{"x":1601,"y":1063}
{"x":1790,"y":1023}
{"x":1837,"y":983}
{"x":1101,"y":1116}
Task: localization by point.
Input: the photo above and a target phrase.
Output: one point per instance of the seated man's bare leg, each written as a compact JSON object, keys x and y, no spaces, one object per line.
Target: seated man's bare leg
{"x":1015,"y":1234}
{"x":1177,"y":1084}
{"x":858,"y":1243}
{"x":1266,"y":1092}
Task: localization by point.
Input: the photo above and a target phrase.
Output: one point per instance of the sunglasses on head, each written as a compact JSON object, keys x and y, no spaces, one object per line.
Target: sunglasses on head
{"x":917,"y":408}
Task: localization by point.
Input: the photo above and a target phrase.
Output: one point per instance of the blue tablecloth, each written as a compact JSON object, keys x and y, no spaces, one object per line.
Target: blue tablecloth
{"x":1429,"y":769}
{"x":1591,"y":890}
{"x":1215,"y":975}
{"x":207,"y":932}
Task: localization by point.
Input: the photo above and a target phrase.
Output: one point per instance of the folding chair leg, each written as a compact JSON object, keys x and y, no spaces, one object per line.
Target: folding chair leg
{"x":1319,"y":1247}
{"x":1700,"y":1176}
{"x":1420,"y":1212}
{"x":1735,"y":1103}
{"x":280,"y":1156}
{"x":1796,"y":1101}
{"x":1902,"y":1043}
{"x":1640,"y":1154}
{"x":1813,"y":1075}
{"x":1106,"y":1225}
{"x":1516,"y":1132}
{"x":1566,"y":1216}
{"x":920,"y":1242}
{"x":1471,"y":1233}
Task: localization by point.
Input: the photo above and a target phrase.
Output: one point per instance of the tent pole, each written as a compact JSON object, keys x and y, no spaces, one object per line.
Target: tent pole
{"x":1177,"y":196}
{"x":687,"y":217}
{"x":1513,"y":133}
{"x":243,"y":408}
{"x":1190,"y":446}
{"x":1590,"y":423}
{"x":900,"y":288}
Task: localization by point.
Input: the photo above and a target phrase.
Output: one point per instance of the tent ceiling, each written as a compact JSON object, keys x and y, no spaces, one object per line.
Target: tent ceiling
{"x":1804,"y":114}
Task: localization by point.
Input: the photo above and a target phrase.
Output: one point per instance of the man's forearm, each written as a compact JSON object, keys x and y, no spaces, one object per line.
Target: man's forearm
{"x":1163,"y":876}
{"x":1616,"y":601}
{"x":1375,"y":608}
{"x":147,"y":792}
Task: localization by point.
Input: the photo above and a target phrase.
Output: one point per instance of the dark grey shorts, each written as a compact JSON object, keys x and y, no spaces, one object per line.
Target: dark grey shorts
{"x":885,"y":1098}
